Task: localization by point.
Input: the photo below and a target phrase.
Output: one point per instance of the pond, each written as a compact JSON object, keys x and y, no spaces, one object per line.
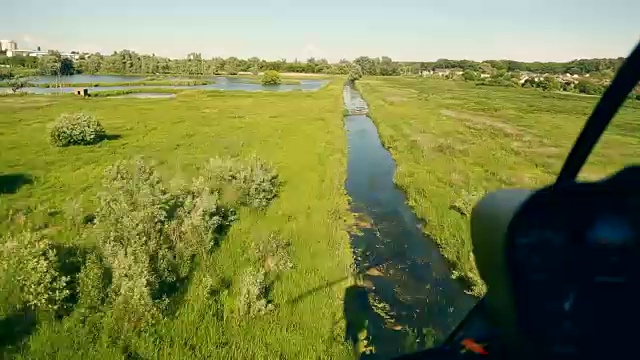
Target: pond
{"x":222,"y":83}
{"x":407,"y":296}
{"x":82,"y":78}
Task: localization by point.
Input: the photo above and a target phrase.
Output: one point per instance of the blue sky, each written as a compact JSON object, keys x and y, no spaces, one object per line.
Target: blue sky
{"x":402,"y":29}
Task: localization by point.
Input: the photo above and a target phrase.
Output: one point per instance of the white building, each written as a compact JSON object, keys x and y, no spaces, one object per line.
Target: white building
{"x":6,"y":45}
{"x":22,"y":52}
{"x":39,"y":53}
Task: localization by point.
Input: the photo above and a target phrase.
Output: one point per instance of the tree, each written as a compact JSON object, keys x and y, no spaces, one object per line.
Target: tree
{"x":387,"y":67}
{"x":486,"y":68}
{"x":588,"y":87}
{"x":367,"y":65}
{"x":355,"y":73}
{"x":529,"y":83}
{"x":67,"y":67}
{"x":549,"y":83}
{"x":254,"y":65}
{"x":469,"y":75}
{"x":17,"y":83}
{"x":271,"y":77}
{"x":232,"y":66}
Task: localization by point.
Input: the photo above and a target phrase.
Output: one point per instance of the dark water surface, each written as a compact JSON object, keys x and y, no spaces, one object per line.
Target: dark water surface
{"x":411,"y":300}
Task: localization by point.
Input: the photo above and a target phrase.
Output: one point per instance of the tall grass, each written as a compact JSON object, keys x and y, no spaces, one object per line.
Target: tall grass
{"x":454,"y":141}
{"x":291,"y":246}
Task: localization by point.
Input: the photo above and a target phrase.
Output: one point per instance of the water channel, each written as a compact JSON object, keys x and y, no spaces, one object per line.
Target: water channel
{"x":409,"y":299}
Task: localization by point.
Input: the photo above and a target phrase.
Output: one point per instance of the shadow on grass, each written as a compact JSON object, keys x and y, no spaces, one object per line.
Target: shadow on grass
{"x":11,"y":183}
{"x":310,"y":292}
{"x":16,"y":327}
{"x":176,"y":291}
{"x":71,"y":259}
{"x":110,"y":137}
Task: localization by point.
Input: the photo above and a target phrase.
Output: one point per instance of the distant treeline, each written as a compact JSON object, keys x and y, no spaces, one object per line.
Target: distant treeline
{"x":130,"y":62}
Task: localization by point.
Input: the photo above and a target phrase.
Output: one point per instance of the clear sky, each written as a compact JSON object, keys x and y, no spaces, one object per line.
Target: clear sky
{"x":546,"y":30}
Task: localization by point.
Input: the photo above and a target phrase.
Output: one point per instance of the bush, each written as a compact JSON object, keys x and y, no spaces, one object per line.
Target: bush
{"x":199,"y":222}
{"x":550,"y":83}
{"x":252,"y":299}
{"x":76,"y":129}
{"x":130,"y":220}
{"x":93,"y":284}
{"x":497,"y":82}
{"x":588,"y":87}
{"x":29,"y":273}
{"x":274,"y":254}
{"x":149,"y":237}
{"x":355,"y":73}
{"x":17,"y":83}
{"x":271,"y":77}
{"x":469,"y":75}
{"x":254,"y":183}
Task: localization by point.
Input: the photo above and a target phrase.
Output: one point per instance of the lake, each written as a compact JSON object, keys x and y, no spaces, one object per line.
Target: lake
{"x":221,"y":83}
{"x":82,"y":78}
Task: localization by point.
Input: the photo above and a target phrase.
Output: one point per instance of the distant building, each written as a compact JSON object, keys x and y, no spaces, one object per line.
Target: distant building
{"x":10,"y":53}
{"x":8,"y":45}
{"x":22,"y":52}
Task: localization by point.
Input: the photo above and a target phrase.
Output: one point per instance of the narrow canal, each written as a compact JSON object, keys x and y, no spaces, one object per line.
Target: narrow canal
{"x":407,"y":300}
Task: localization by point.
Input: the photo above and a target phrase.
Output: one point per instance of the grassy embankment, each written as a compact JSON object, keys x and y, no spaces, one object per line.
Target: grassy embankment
{"x":453,"y":141}
{"x":301,"y":134}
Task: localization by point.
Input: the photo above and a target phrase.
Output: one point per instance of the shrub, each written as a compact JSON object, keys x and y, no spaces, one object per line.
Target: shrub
{"x":199,"y":222}
{"x":355,"y":73}
{"x":255,"y":283}
{"x":271,"y":77}
{"x":130,"y":220}
{"x":550,"y":83}
{"x":589,"y":87}
{"x":93,"y":284}
{"x":274,"y":254}
{"x":149,"y":237}
{"x":29,"y":263}
{"x":469,"y":75}
{"x":497,"y":82}
{"x":17,"y":83}
{"x":76,"y":129}
{"x":254,"y":182}
{"x":252,"y":299}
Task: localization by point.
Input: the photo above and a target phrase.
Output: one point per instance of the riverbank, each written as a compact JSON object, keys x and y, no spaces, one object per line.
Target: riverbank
{"x":454,"y":141}
{"x":300,"y":134}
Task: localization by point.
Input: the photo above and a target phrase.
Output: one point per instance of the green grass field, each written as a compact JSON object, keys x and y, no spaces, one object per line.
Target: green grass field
{"x":454,"y":141}
{"x":301,"y":134}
